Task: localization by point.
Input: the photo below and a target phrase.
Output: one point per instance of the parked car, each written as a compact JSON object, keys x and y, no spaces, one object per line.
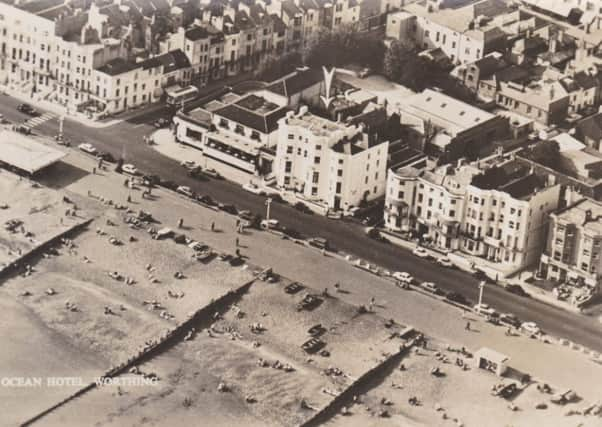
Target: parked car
{"x":318,"y":242}
{"x":161,"y":123}
{"x":231,"y":209}
{"x":188,"y":164}
{"x":373,"y":233}
{"x":252,"y":188}
{"x":302,"y":207}
{"x":273,"y":224}
{"x":170,"y":185}
{"x":309,"y":302}
{"x":510,"y":320}
{"x":87,"y":148}
{"x":457,"y":297}
{"x":421,"y":252}
{"x":445,"y":262}
{"x":26,"y":130}
{"x":204,"y":198}
{"x":185,"y":190}
{"x":292,"y":233}
{"x":130,"y":169}
{"x":403,"y":277}
{"x":531,"y":328}
{"x":517,"y":290}
{"x":197,"y":173}
{"x":212,"y":173}
{"x":430,"y":287}
{"x":107,"y":157}
{"x":27,"y":109}
{"x":484,"y":309}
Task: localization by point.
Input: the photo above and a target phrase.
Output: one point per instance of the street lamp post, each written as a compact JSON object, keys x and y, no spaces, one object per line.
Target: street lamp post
{"x":268,"y":202}
{"x":481,"y":287}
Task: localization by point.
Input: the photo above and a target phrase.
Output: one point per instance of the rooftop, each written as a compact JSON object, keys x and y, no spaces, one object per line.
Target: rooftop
{"x":444,"y":111}
{"x":25,"y":153}
{"x":317,"y":125}
{"x":296,"y":82}
{"x":460,"y":18}
{"x":578,"y":213}
{"x":255,"y":112}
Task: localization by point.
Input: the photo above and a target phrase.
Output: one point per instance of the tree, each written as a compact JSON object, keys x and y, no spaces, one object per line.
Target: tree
{"x":547,"y":153}
{"x":394,"y":58}
{"x":345,"y":46}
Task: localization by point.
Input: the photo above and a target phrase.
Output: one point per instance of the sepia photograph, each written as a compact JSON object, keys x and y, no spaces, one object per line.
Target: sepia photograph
{"x":301,"y":213}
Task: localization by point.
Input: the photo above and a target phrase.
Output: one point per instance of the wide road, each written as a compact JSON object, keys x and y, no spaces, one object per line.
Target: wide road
{"x":125,"y":139}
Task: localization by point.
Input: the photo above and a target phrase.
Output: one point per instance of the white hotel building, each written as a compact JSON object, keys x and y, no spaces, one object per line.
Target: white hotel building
{"x":495,"y":210}
{"x":329,"y":163}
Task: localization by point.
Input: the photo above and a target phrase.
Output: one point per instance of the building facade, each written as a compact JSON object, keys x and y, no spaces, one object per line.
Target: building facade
{"x":330,"y":163}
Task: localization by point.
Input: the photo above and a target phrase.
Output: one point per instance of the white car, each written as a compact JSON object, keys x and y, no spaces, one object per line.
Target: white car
{"x":429,"y":287}
{"x":129,"y":168}
{"x":272,"y":223}
{"x":402,"y":276}
{"x":421,"y":252}
{"x":188,"y":164}
{"x":87,"y":148}
{"x":252,"y":188}
{"x":183,"y":189}
{"x":531,"y":328}
{"x":484,"y":309}
{"x":445,"y":262}
{"x":212,"y":173}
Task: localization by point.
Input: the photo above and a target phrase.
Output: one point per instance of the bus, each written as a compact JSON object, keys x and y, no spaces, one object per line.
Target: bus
{"x":177,"y":97}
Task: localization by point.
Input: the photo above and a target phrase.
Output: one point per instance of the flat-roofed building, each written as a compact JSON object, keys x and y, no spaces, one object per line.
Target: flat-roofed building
{"x":451,"y":129}
{"x":330,"y":163}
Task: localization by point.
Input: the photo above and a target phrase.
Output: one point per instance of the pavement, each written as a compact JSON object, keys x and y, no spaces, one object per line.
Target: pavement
{"x":563,"y":367}
{"x":126,"y":140}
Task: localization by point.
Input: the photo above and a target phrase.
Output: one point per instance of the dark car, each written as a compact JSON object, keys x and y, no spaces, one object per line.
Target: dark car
{"x":231,"y":209}
{"x":318,"y":242}
{"x":517,"y":290}
{"x":373,"y":233}
{"x":197,"y":173}
{"x":169,"y":184}
{"x":107,"y":157}
{"x":302,"y":207}
{"x":291,"y":232}
{"x":23,"y":129}
{"x":510,"y":320}
{"x":309,"y":302}
{"x":27,"y":109}
{"x":457,"y":297}
{"x":206,"y":199}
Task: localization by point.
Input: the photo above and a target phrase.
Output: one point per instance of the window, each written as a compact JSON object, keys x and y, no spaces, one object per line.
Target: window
{"x":400,"y":195}
{"x":289,"y":149}
{"x":291,"y":136}
{"x":288,"y":166}
{"x":317,"y":160}
{"x":452,"y":213}
{"x":315,"y":178}
{"x":338,"y":188}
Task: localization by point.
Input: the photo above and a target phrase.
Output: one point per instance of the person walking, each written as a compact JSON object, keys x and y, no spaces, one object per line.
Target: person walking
{"x":237,"y":242}
{"x":93,"y":171}
{"x":180,"y":223}
{"x":212,"y":225}
{"x":467,"y":327}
